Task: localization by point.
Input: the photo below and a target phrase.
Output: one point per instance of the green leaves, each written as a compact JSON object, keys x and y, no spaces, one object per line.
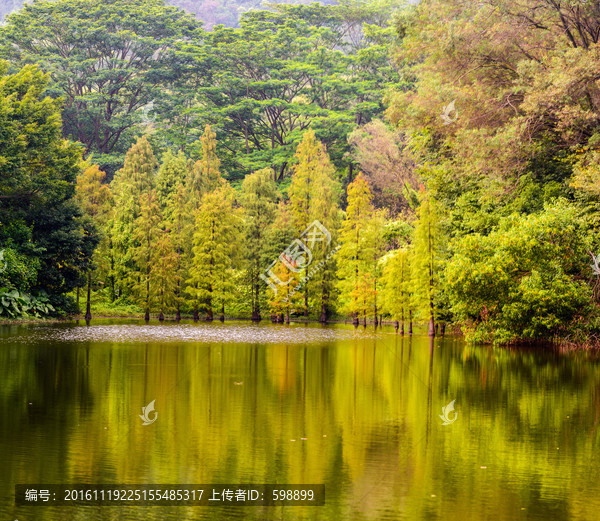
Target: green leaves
{"x":107,"y":60}
{"x":15,"y":304}
{"x":263,"y":84}
{"x":520,"y":281}
{"x":41,"y":222}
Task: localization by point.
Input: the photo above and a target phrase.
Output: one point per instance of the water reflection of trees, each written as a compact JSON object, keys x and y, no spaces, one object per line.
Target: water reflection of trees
{"x":368,"y":409}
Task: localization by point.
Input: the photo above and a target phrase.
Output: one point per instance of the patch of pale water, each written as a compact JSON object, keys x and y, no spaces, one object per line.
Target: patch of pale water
{"x":215,"y":332}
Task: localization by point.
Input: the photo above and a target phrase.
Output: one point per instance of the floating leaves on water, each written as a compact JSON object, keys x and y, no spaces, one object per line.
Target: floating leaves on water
{"x":230,"y":333}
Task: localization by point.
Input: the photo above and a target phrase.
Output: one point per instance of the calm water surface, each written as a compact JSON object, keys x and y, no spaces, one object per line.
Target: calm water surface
{"x":235,"y":401}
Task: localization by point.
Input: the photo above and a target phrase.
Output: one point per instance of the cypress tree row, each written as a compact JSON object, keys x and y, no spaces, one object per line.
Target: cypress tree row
{"x":178,"y":239}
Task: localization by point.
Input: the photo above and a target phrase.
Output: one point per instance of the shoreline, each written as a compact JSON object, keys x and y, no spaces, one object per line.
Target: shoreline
{"x":561,"y":345}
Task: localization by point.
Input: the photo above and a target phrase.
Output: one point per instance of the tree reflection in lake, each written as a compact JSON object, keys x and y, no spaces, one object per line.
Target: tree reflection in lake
{"x":357,"y":410}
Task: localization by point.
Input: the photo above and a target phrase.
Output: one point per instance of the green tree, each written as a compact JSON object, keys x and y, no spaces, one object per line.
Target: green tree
{"x":396,"y":280}
{"x":109,"y":61}
{"x":259,"y":201}
{"x":357,"y":251}
{"x":40,"y":221}
{"x":217,"y":229}
{"x":278,"y":237}
{"x":173,"y":170}
{"x":426,"y":260}
{"x":205,"y":175}
{"x":166,"y":274}
{"x":522,"y":280}
{"x":313,"y":195}
{"x":95,"y":199}
{"x":181,"y":224}
{"x":283,"y":69}
{"x":137,"y":177}
{"x":147,"y":232}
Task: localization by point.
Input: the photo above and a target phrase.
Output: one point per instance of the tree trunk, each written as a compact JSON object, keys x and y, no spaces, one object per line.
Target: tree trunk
{"x":431,"y":308}
{"x":196,"y":314}
{"x":256,"y":311}
{"x":323,"y":317}
{"x":77,"y":301}
{"x":287,"y":316}
{"x":113,"y":295}
{"x":410,"y":329}
{"x":365,"y":320}
{"x":222,"y":317}
{"x":209,"y":312}
{"x":396,"y":325}
{"x":375,"y":302}
{"x":161,"y":317}
{"x":280,"y":318}
{"x":88,"y":305}
{"x":306,"y":299}
{"x":443,"y":328}
{"x":178,"y":314}
{"x":355,"y":320}
{"x":281,"y":172}
{"x":147,"y":315}
{"x":431,"y":326}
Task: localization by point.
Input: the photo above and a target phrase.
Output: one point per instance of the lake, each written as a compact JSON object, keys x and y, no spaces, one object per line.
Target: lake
{"x":355,"y":410}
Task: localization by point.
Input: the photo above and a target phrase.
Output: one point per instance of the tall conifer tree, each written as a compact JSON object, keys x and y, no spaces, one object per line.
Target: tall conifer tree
{"x":215,"y":237}
{"x":259,"y":200}
{"x":357,"y":251}
{"x":146,"y":234}
{"x":135,"y":178}
{"x":96,"y":200}
{"x":397,"y":287}
{"x":425,"y":259}
{"x":206,"y":172}
{"x":314,"y":195}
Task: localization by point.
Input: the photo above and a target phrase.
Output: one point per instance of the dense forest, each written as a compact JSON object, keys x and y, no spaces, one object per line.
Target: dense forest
{"x":432,"y":164}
